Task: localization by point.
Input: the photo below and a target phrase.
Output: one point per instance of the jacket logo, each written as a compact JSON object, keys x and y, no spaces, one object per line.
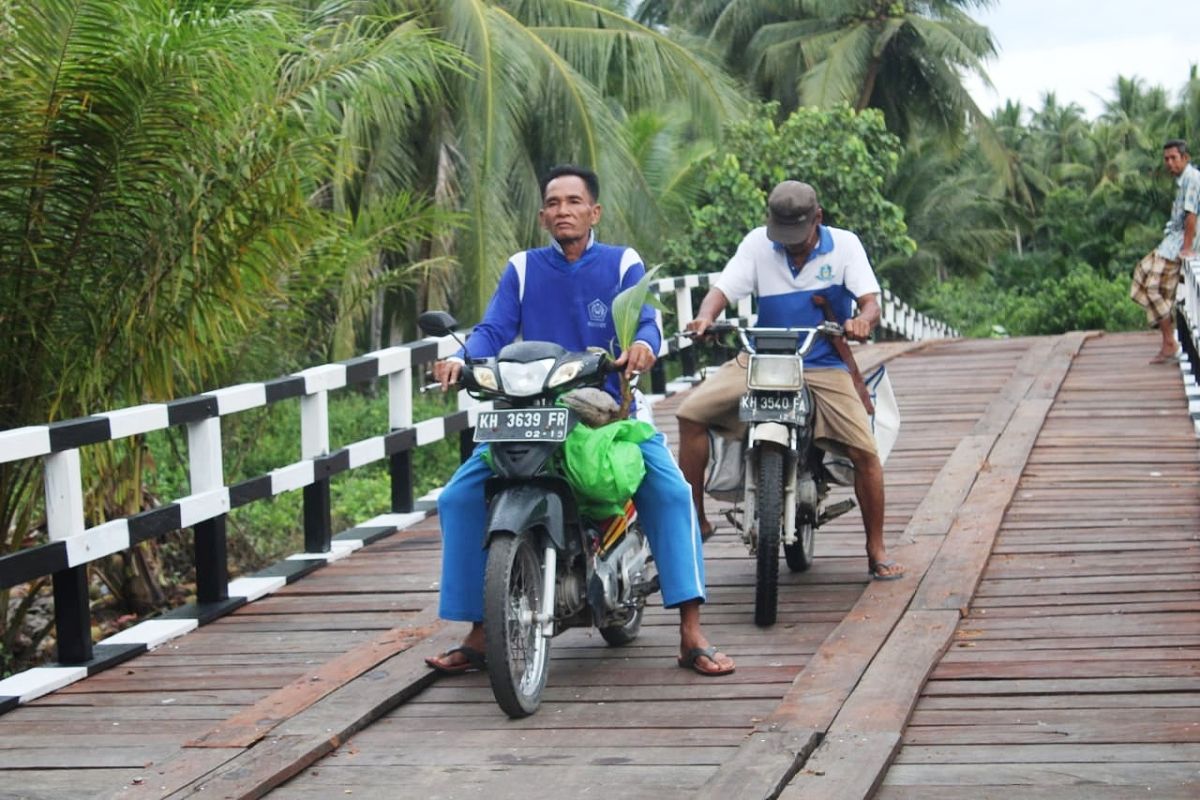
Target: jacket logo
{"x":825,"y":272}
{"x":597,"y":311}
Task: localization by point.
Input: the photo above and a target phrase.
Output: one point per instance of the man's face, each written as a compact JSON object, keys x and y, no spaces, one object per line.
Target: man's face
{"x":799,"y":252}
{"x":1174,"y":160}
{"x":568,"y":210}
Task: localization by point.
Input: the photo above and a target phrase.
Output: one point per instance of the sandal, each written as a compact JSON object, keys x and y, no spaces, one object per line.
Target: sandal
{"x":474,"y":661}
{"x":692,"y":661}
{"x":874,"y":570}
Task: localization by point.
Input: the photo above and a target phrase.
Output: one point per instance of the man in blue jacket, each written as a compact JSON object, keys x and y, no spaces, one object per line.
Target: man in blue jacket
{"x":563,"y":293}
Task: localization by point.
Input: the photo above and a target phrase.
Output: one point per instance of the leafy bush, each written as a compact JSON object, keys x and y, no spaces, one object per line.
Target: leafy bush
{"x":258,"y":441}
{"x":1078,"y":299}
{"x":846,"y":156}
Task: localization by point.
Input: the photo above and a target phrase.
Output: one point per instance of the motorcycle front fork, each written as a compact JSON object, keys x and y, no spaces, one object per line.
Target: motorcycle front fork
{"x":545,"y":615}
{"x":750,"y":529}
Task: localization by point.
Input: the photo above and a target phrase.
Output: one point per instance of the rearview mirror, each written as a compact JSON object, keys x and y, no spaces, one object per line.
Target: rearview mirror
{"x":437,"y":323}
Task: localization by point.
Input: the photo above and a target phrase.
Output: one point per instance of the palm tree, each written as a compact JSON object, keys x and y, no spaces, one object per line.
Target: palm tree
{"x":159,"y":161}
{"x":906,"y":58}
{"x":549,"y":81}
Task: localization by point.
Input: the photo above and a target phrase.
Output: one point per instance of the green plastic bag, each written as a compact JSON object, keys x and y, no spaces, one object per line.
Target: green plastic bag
{"x":604,"y":465}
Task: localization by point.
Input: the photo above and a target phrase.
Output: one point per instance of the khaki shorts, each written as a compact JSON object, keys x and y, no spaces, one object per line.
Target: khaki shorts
{"x":841,"y":420}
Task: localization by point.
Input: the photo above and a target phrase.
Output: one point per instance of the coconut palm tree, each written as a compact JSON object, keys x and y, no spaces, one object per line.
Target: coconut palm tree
{"x":549,"y":81}
{"x":159,"y":161}
{"x":906,"y":58}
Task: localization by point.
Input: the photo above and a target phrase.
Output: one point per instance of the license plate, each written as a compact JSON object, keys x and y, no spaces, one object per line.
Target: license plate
{"x":522,"y":425}
{"x":770,"y":407}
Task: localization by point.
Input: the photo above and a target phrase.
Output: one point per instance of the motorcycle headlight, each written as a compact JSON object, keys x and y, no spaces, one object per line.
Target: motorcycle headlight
{"x":486,"y":378}
{"x":565,"y":373}
{"x":523,"y":380}
{"x":775,"y":372}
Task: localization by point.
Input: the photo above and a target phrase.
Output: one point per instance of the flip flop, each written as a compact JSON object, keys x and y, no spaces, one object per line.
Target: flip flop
{"x":474,"y":661}
{"x":691,"y":661}
{"x":1164,"y":359}
{"x":873,"y":570}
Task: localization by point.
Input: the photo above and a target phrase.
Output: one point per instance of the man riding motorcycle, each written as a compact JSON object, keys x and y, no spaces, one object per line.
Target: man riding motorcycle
{"x":563,"y":294}
{"x":785,"y":263}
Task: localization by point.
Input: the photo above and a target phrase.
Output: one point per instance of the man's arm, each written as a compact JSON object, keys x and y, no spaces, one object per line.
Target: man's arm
{"x":710,"y":308}
{"x":1189,"y":236}
{"x":498,"y":327}
{"x":869,"y":313}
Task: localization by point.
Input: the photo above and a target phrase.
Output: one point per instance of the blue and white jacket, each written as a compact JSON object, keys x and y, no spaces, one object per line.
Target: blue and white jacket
{"x":543,"y":297}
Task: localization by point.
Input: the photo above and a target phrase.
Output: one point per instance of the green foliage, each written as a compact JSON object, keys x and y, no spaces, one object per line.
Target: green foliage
{"x":1064,"y":297}
{"x":846,"y":156}
{"x":260,"y":440}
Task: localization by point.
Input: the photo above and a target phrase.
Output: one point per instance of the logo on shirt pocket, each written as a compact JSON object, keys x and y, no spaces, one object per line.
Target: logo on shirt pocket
{"x":825,"y":272}
{"x":597,"y":312}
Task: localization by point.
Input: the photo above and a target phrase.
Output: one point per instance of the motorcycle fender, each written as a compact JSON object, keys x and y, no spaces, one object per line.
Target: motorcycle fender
{"x":771,"y":432}
{"x":518,"y":508}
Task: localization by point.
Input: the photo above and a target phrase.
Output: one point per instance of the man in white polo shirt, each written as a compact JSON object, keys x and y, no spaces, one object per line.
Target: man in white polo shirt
{"x":785,"y":263}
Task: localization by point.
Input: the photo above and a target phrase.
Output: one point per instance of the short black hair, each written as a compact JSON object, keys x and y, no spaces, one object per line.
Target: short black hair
{"x":589,"y":178}
{"x":1178,"y":144}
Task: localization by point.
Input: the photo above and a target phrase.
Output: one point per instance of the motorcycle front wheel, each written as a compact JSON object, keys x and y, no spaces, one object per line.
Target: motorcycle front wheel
{"x":769,"y":503}
{"x":517,"y":652}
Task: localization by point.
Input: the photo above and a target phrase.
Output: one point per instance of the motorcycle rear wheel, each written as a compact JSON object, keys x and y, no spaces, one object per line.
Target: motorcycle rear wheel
{"x":619,"y":635}
{"x":769,"y":502}
{"x":517,"y":652}
{"x":799,"y":556}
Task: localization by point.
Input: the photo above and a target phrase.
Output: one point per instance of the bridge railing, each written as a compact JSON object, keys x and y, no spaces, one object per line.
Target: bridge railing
{"x":1188,"y":329}
{"x":71,"y":544}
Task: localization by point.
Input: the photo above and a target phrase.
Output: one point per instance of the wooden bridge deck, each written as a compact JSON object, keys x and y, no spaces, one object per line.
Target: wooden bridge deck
{"x":1044,"y":494}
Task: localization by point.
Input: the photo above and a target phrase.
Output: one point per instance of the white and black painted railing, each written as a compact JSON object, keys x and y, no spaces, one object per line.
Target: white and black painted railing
{"x":72,"y":545}
{"x":1188,"y":329}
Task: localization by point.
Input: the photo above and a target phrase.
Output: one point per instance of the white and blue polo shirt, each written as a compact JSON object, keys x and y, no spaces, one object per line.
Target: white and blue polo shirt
{"x":837,"y":268}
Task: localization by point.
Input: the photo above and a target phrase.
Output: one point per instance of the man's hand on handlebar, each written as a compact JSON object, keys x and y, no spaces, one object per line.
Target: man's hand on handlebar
{"x":857,"y":328}
{"x":446,"y":372}
{"x":697,"y":327}
{"x":636,"y":360}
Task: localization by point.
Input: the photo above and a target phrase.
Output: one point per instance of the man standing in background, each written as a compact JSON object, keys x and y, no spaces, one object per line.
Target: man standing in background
{"x":1156,"y":276}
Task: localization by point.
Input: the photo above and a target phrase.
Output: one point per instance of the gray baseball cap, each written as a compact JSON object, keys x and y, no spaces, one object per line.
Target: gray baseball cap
{"x":791,"y":212}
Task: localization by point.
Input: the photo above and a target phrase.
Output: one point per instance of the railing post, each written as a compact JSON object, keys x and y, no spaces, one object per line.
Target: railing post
{"x":400,"y":416}
{"x":658,"y":378}
{"x":209,"y":539}
{"x":314,"y":435}
{"x":318,"y":527}
{"x":64,"y":519}
{"x":466,"y":444}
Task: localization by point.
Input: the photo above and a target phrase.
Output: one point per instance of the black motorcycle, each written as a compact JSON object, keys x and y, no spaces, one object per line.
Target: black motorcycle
{"x":548,"y":568}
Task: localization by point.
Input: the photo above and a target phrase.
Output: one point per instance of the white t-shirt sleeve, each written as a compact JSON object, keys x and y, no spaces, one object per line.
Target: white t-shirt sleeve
{"x":737,"y":280}
{"x":860,"y":278}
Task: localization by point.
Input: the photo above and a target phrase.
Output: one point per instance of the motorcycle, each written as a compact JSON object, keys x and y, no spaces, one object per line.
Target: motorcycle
{"x":781,"y":478}
{"x":548,"y":568}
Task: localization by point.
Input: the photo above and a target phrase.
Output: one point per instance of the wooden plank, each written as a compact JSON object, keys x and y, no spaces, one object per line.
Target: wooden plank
{"x":761,"y":766}
{"x":1049,"y":753}
{"x":834,"y":772}
{"x":247,"y":727}
{"x":1187,"y":791}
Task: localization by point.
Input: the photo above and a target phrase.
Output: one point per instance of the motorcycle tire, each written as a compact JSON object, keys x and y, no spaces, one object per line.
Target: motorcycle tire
{"x":620,"y":635}
{"x":517,"y":652}
{"x":769,"y":504}
{"x":799,"y":556}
